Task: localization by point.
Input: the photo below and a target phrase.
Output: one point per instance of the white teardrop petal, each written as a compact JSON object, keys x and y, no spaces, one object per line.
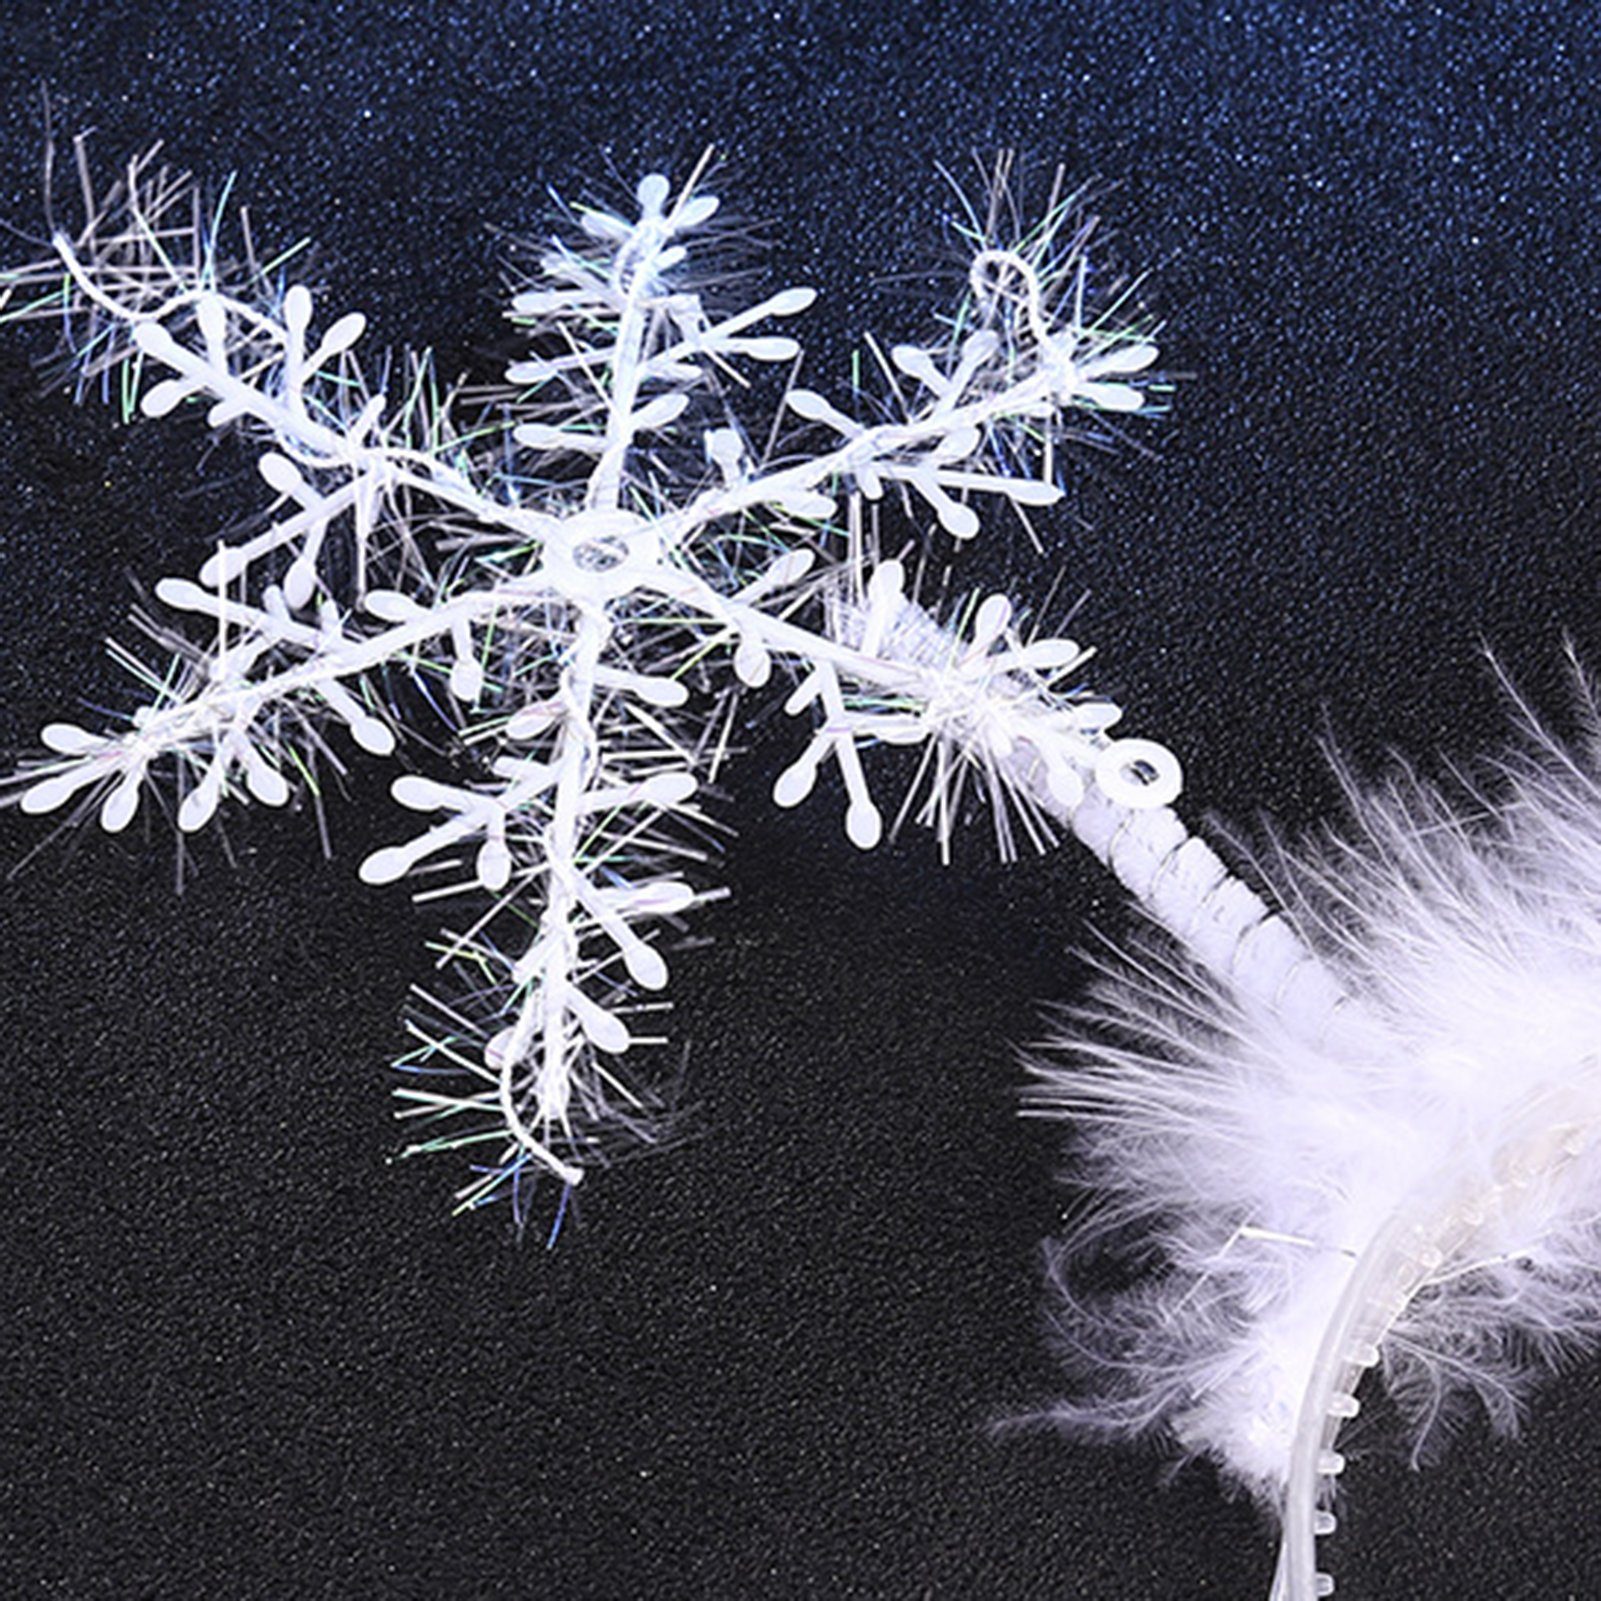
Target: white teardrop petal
{"x":795,"y":783}
{"x":645,"y":966}
{"x":494,"y":865}
{"x":121,"y":804}
{"x":69,"y":739}
{"x":373,"y":736}
{"x":384,"y":866}
{"x":863,"y":824}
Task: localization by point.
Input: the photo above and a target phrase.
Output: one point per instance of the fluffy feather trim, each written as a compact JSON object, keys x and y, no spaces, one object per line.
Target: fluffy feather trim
{"x":1245,"y":1159}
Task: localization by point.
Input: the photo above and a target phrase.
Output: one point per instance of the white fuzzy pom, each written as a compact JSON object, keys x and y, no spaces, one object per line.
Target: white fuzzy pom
{"x":1410,"y":1177}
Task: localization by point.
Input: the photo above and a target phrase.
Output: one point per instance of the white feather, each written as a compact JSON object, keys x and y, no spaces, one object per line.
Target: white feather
{"x":1246,"y":1158}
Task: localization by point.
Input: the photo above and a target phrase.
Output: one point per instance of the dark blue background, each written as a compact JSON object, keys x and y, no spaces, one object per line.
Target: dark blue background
{"x":242,"y":1354}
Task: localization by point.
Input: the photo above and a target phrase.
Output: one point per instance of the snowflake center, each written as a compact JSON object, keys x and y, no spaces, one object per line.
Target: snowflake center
{"x":602,"y":554}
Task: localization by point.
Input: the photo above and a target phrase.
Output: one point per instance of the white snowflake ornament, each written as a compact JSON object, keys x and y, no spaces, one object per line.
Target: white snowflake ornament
{"x":579,"y":569}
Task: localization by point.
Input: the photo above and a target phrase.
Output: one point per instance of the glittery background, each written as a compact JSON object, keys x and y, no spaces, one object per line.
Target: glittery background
{"x":245,"y":1356}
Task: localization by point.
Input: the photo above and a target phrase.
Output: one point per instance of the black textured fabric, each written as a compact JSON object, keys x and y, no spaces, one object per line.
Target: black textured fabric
{"x":243,"y":1353}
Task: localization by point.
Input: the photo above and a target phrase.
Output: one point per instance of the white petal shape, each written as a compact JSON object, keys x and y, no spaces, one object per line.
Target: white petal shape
{"x":122,"y":803}
{"x":863,"y":824}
